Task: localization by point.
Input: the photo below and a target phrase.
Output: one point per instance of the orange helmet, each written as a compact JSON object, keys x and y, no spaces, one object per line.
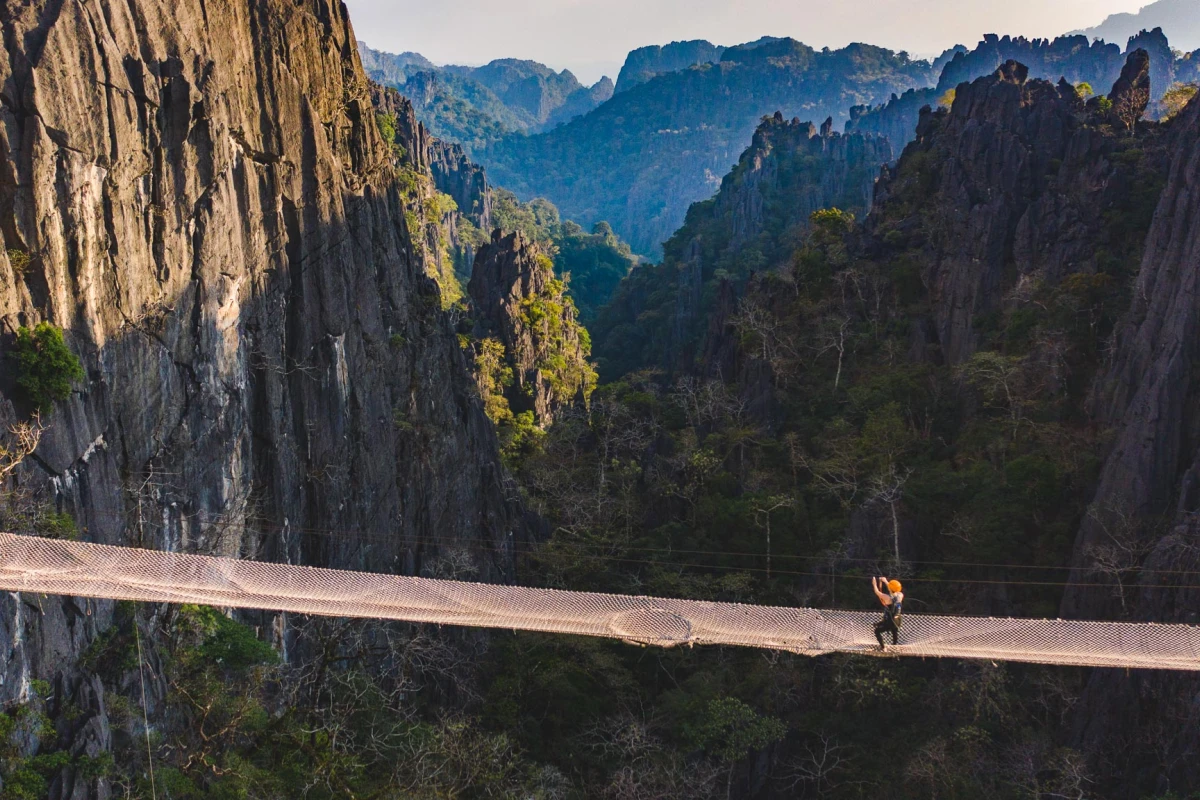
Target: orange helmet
{"x":894,"y":586}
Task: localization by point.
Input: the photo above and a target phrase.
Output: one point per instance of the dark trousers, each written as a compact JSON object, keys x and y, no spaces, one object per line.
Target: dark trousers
{"x":883,"y":626}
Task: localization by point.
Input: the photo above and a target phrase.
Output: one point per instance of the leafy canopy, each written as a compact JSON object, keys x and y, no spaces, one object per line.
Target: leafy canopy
{"x":46,"y":366}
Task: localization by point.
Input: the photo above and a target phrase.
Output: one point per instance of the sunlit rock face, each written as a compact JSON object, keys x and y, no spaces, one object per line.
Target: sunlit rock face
{"x":209,"y":212}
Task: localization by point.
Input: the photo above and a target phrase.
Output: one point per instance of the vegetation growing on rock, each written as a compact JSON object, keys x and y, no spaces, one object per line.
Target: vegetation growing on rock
{"x":754,"y":224}
{"x":531,"y":346}
{"x":46,"y":367}
{"x":594,"y":263}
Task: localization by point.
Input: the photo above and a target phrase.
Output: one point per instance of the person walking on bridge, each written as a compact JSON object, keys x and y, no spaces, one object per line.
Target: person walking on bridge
{"x":891,"y":596}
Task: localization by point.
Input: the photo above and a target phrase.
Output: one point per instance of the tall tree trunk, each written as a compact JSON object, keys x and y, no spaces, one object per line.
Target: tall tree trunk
{"x":895,"y":531}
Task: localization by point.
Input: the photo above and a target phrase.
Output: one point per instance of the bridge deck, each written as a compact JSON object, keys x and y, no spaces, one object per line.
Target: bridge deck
{"x":32,"y":564}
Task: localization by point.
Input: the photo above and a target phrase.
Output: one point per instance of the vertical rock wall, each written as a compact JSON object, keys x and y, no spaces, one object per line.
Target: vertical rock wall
{"x":1142,"y":725}
{"x":211,"y":215}
{"x":1014,"y":182}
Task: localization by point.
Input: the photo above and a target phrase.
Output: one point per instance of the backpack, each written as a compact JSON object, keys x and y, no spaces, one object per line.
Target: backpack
{"x":895,"y":610}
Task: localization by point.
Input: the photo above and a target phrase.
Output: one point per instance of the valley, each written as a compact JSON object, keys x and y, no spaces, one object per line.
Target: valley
{"x":752,"y":324}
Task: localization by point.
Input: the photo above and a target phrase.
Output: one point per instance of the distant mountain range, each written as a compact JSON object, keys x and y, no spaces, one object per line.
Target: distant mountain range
{"x":664,"y":141}
{"x":474,"y":105}
{"x":1075,"y":58}
{"x":647,"y":62}
{"x":1179,"y":19}
{"x":637,"y":154}
{"x":392,"y":68}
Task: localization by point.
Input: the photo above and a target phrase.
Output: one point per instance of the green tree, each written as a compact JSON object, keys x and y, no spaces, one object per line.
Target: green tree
{"x":730,"y":729}
{"x":494,"y":376}
{"x":387,"y":126}
{"x":1000,"y":379}
{"x":46,"y":366}
{"x":1177,"y":97}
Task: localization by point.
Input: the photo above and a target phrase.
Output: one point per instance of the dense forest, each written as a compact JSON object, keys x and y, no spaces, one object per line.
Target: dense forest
{"x":854,"y":402}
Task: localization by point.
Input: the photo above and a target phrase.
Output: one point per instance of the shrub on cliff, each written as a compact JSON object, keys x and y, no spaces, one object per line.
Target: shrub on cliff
{"x":46,"y":366}
{"x":1177,"y":98}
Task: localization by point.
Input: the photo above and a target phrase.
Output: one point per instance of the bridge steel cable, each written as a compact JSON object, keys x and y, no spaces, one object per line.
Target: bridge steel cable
{"x":52,"y":566}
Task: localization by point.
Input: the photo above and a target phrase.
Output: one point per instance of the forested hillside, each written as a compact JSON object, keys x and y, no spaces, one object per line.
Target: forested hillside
{"x":755,"y":223}
{"x":647,"y":62}
{"x":665,"y":139}
{"x":639,"y":160}
{"x":473,"y":106}
{"x":931,"y":392}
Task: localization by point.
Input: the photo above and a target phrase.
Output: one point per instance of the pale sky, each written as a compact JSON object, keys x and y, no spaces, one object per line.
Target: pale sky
{"x":591,"y":37}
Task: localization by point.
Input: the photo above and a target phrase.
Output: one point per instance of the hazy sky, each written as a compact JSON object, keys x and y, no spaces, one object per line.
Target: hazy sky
{"x":591,"y":37}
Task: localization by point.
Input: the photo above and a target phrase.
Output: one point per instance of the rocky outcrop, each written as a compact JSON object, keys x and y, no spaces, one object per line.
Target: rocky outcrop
{"x":1148,"y":497}
{"x":1072,"y":58}
{"x":895,"y":120}
{"x":211,"y":214}
{"x":847,"y":179}
{"x":1014,"y":180}
{"x":450,"y":231}
{"x":659,"y":316}
{"x":645,"y":63}
{"x":412,"y":139}
{"x":389,"y":68}
{"x":463,"y":180}
{"x":1075,"y":58}
{"x":446,"y":163}
{"x":1161,"y":60}
{"x":516,"y":300}
{"x":1131,"y":93}
{"x":1187,"y":69}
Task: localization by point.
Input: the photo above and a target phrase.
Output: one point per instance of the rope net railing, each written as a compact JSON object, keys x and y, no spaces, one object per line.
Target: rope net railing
{"x":51,"y":566}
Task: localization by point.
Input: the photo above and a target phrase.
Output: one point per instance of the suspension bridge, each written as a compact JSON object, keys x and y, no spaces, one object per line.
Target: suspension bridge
{"x":80,"y":569}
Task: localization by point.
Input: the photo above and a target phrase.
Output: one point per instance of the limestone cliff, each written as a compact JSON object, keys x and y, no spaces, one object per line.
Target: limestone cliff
{"x":208,"y":209}
{"x":449,"y":195}
{"x":754,"y":223}
{"x":1147,"y":502}
{"x":775,"y":162}
{"x":1017,"y":181}
{"x":457,"y":176}
{"x":517,"y":302}
{"x":1075,"y":59}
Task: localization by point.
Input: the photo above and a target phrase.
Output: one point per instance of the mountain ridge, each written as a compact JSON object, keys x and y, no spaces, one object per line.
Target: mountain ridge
{"x":641,"y":158}
{"x":1179,"y":19}
{"x":472,"y":105}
